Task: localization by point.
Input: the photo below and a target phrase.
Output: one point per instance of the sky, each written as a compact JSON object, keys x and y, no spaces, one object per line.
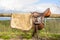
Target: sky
{"x":29,"y":5}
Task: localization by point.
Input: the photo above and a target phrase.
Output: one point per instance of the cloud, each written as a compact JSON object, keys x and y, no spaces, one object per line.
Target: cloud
{"x":41,"y":8}
{"x":27,"y":6}
{"x":53,"y":7}
{"x":15,"y":4}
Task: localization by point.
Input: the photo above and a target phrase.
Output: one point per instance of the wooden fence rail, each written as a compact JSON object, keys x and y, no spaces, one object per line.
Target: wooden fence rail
{"x":5,"y":15}
{"x":9,"y":15}
{"x":55,"y":16}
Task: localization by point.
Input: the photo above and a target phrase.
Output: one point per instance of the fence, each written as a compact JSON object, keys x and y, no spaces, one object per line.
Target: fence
{"x":52,"y":25}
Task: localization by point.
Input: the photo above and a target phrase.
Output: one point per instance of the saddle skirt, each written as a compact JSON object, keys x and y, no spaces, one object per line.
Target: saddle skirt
{"x":21,"y":21}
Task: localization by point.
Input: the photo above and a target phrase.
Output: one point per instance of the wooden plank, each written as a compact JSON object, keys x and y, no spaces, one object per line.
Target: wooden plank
{"x":5,"y":15}
{"x":9,"y":15}
{"x":55,"y":16}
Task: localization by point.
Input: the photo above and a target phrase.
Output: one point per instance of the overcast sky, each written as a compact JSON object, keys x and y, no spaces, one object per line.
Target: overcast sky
{"x":29,"y":5}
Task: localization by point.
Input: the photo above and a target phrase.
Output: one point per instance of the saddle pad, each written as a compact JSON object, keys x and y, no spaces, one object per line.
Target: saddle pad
{"x":21,"y":21}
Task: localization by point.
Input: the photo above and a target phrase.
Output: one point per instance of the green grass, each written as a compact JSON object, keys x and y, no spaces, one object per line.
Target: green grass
{"x":6,"y":32}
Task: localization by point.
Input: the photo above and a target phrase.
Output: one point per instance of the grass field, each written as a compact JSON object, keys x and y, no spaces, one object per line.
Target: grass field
{"x":6,"y":32}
